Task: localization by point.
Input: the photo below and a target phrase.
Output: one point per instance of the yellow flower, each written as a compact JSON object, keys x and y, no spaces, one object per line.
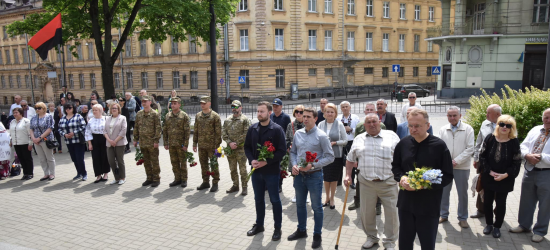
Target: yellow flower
{"x":421,"y":180}
{"x":413,"y":180}
{"x":417,"y":169}
{"x":427,"y":181}
{"x":417,"y":183}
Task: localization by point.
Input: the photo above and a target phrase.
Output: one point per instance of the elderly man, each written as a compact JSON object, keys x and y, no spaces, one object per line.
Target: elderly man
{"x":131,"y":105}
{"x":459,"y":138}
{"x":28,"y":111}
{"x":387,"y":118}
{"x":535,"y":187}
{"x":488,"y":126}
{"x":320,"y":115}
{"x":412,"y":103}
{"x":350,"y":124}
{"x":17,"y":103}
{"x":375,"y":179}
{"x":419,"y":209}
{"x":403,"y":128}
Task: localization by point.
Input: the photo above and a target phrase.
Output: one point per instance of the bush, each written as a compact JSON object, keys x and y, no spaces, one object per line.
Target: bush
{"x":526,"y":107}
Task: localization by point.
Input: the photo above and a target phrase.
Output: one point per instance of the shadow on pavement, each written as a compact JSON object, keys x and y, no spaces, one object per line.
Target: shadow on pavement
{"x":138,"y":193}
{"x":170,"y":193}
{"x":106,"y":190}
{"x":88,"y":187}
{"x":26,"y":185}
{"x":10,"y":183}
{"x":70,"y":184}
{"x":200,"y":198}
{"x":231,"y":201}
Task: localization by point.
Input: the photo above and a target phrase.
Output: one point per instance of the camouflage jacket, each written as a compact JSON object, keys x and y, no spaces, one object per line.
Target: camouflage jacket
{"x":147,"y":129}
{"x":176,"y":129}
{"x":360,"y":128}
{"x":235,"y":129}
{"x":207,"y":130}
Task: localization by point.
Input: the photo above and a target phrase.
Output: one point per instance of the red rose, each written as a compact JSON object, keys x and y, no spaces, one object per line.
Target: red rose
{"x":271,"y":149}
{"x":267,"y":143}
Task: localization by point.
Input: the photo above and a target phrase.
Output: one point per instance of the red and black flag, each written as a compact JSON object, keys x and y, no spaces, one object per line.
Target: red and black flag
{"x":47,"y":38}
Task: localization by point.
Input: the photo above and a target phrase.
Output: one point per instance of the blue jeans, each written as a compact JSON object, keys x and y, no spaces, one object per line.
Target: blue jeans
{"x":76,"y":151}
{"x":259,"y":183}
{"x":312,"y":183}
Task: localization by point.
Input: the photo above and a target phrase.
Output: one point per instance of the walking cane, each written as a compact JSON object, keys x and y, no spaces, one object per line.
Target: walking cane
{"x":342,"y":219}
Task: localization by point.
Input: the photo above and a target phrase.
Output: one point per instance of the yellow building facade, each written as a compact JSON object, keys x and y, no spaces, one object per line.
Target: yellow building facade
{"x":316,"y":44}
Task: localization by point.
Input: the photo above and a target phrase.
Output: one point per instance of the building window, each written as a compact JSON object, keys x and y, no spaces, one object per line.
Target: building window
{"x":428,"y":71}
{"x":540,"y":11}
{"x":117,"y":80}
{"x":8,"y":59}
{"x":192,"y":45}
{"x":280,"y":78}
{"x":479,"y":19}
{"x":279,"y":39}
{"x":243,"y":5}
{"x":79,"y":51}
{"x":312,"y":40}
{"x":174,"y":43}
{"x":27,"y":81}
{"x":312,"y":72}
{"x":351,"y":7}
{"x":194,"y":80}
{"x":402,"y":72}
{"x":328,"y":6}
{"x":328,"y":71}
{"x":385,"y":72}
{"x":3,"y":82}
{"x":33,"y":56}
{"x":430,"y":46}
{"x":207,"y":48}
{"x":244,"y":40}
{"x":385,"y":42}
{"x":144,"y":80}
{"x":69,"y":54}
{"x":129,"y":80}
{"x":15,"y":57}
{"x":416,"y":43}
{"x":159,"y":80}
{"x":431,"y":12}
{"x":71,"y":81}
{"x":246,"y":75}
{"x":5,"y":32}
{"x":402,"y":11}
{"x":128,"y":48}
{"x":143,"y":48}
{"x":278,"y":4}
{"x":18,"y":79}
{"x":1,"y":58}
{"x":328,"y":40}
{"x":369,"y":41}
{"x":415,"y":71}
{"x":351,"y":41}
{"x":114,"y":43}
{"x":312,"y":5}
{"x":175,"y":79}
{"x":81,"y":80}
{"x":351,"y":71}
{"x":369,"y":71}
{"x":401,"y":42}
{"x":158,"y":49}
{"x":92,"y":80}
{"x":369,"y":8}
{"x":184,"y":79}
{"x":386,"y":10}
{"x":25,"y":52}
{"x":10,"y":80}
{"x":417,"y":12}
{"x":91,"y":51}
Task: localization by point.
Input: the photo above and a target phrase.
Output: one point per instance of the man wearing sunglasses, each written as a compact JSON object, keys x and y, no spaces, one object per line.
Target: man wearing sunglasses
{"x":234,"y":132}
{"x":28,"y":112}
{"x":412,"y":103}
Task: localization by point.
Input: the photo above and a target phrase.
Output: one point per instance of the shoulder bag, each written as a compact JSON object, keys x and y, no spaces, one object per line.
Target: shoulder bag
{"x":50,"y":144}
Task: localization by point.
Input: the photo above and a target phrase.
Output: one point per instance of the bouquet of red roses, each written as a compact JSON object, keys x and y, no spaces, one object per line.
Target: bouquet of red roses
{"x":190,"y":159}
{"x":310,"y":158}
{"x":266,"y":152}
{"x":139,"y":156}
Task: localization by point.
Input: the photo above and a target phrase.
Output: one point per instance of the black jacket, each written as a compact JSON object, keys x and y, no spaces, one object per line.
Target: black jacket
{"x":391,"y":122}
{"x":273,"y":133}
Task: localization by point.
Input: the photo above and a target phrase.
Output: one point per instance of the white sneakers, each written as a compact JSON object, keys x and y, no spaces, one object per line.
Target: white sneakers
{"x":121,"y":182}
{"x":370,"y":243}
{"x":537,"y":238}
{"x":113,"y":182}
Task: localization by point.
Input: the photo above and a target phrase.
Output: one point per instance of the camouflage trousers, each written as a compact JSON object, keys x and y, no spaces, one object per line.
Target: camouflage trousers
{"x":204,"y":158}
{"x":179,"y":163}
{"x":151,"y":164}
{"x":239,"y":157}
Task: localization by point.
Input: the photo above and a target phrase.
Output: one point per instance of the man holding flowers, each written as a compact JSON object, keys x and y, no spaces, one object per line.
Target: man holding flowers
{"x":265,"y":147}
{"x":418,"y":209}
{"x":234,"y":133}
{"x":176,"y":131}
{"x":311,"y":148}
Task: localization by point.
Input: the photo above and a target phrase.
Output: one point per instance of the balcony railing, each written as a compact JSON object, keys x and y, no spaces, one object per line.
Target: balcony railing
{"x":466,"y":28}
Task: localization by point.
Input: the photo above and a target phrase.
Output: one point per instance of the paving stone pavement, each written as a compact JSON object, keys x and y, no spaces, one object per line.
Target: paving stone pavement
{"x":66,"y":214}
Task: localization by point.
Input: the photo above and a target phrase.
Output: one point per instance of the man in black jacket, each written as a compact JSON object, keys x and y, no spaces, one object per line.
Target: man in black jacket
{"x":419,"y":210}
{"x":266,"y":173}
{"x":388,"y":118}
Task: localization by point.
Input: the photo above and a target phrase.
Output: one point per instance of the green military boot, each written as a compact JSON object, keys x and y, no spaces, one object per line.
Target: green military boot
{"x":174,"y":183}
{"x":204,"y":185}
{"x":233,"y":189}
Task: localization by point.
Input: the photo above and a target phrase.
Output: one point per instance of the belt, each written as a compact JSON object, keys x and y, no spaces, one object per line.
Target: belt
{"x":310,"y":172}
{"x":540,"y":169}
{"x":377,"y":180}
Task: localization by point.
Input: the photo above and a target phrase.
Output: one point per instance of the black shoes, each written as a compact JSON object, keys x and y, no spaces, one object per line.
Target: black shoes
{"x":496,"y":232}
{"x":174,"y":183}
{"x":352,"y":186}
{"x":255,"y":230}
{"x":26,"y":177}
{"x":214,"y":187}
{"x":297,"y":235}
{"x":276,"y":235}
{"x":233,"y":189}
{"x":45,"y":178}
{"x":488,"y":229}
{"x":155,"y":184}
{"x":477,"y":215}
{"x":244,"y":192}
{"x":316,"y":241}
{"x":147,"y":183}
{"x":203,"y":186}
{"x":378,"y":208}
{"x":183,"y":184}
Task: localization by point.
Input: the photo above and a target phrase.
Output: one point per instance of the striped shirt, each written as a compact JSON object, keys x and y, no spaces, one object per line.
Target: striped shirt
{"x":75,"y":125}
{"x":375,"y":154}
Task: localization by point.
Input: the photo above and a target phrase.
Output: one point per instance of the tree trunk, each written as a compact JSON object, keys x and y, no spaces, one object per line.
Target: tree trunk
{"x":107,"y":78}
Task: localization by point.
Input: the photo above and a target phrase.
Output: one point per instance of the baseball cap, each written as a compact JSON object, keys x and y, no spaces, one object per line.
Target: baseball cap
{"x":277,"y":101}
{"x":205,"y":99}
{"x":236,"y":103}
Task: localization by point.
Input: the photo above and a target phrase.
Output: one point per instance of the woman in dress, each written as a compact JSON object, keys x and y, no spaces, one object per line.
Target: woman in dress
{"x":115,"y":135}
{"x":22,"y":143}
{"x":500,"y":159}
{"x":42,"y":125}
{"x":292,"y":127}
{"x":72,"y":127}
{"x":338,"y":139}
{"x":95,"y":137}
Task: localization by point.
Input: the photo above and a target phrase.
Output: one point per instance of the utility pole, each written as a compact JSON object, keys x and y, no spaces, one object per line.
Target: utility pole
{"x":121,"y":65}
{"x":29,"y":61}
{"x":213,"y":68}
{"x":547,"y":70}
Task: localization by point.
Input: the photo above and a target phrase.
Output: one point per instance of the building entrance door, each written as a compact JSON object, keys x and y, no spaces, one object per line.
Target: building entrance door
{"x":447,"y":72}
{"x":534,"y":66}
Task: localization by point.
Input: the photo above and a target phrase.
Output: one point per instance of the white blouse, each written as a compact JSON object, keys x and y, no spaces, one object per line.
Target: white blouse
{"x":95,"y":126}
{"x":19,"y":132}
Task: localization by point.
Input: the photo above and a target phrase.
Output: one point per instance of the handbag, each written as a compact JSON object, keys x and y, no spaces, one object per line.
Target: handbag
{"x":50,"y":144}
{"x":80,"y":134}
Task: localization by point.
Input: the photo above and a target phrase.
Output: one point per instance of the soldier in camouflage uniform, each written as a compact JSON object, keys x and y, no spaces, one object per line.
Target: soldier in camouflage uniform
{"x":207,"y":136}
{"x":147,"y":132}
{"x":175,"y":132}
{"x":234,"y":132}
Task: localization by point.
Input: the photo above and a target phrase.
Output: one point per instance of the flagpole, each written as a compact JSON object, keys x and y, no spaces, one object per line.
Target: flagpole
{"x":62,"y":64}
{"x":29,"y":62}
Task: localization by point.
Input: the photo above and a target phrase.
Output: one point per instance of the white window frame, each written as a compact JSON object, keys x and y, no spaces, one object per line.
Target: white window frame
{"x":402,"y":42}
{"x":142,"y":47}
{"x":370,"y":8}
{"x":368,"y":41}
{"x":243,"y":5}
{"x":431,"y":13}
{"x":386,"y":42}
{"x":71,"y":81}
{"x":160,"y":83}
{"x":430,"y":46}
{"x":144,"y":80}
{"x":328,"y":6}
{"x":351,"y":40}
{"x":479,"y":19}
{"x":175,"y":79}
{"x":416,"y":43}
{"x":194,"y":77}
{"x":279,"y":39}
{"x":81,"y":81}
{"x":386,"y":10}
{"x":312,"y":5}
{"x":92,"y":81}
{"x":537,"y":9}
{"x":312,"y":40}
{"x":402,"y":11}
{"x":158,"y":49}
{"x":351,"y":7}
{"x":278,"y":4}
{"x":129,"y":80}
{"x":328,"y":40}
{"x":243,"y":35}
{"x":417,"y":12}
{"x":279,"y":78}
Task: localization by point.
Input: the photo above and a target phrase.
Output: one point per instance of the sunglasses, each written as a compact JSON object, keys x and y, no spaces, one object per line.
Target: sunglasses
{"x":412,"y":97}
{"x":114,"y":108}
{"x":301,"y":112}
{"x":235,"y":107}
{"x":23,"y":106}
{"x":69,"y":108}
{"x":38,"y":108}
{"x":502,"y":124}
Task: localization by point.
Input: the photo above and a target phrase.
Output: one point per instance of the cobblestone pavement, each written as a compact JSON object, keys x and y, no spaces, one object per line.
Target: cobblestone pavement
{"x":66,"y":214}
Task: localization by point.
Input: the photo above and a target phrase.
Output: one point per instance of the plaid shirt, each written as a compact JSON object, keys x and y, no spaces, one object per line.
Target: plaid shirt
{"x":76,"y":124}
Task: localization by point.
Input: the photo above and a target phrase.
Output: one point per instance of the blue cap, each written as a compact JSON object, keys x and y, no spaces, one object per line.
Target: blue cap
{"x":277,"y":101}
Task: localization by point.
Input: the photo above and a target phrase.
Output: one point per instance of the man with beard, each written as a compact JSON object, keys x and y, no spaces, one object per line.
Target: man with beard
{"x":234,"y":132}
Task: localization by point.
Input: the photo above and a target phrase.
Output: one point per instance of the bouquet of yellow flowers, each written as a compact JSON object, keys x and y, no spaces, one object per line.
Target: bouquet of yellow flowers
{"x":423,"y":178}
{"x":214,"y":161}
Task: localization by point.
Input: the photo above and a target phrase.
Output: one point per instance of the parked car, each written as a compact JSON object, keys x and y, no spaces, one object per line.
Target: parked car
{"x":420,"y":92}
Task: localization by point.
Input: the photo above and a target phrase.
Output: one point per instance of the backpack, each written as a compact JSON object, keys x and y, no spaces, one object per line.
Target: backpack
{"x":15,"y":169}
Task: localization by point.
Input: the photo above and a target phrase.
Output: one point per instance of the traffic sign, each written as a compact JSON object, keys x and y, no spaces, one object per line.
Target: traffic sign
{"x":395,"y":68}
{"x":221,"y":81}
{"x":436,"y":70}
{"x":242,"y":79}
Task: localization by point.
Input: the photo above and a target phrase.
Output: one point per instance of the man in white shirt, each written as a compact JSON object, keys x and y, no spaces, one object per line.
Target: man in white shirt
{"x":459,"y":138}
{"x":412,"y":103}
{"x":373,"y":151}
{"x":350,"y":123}
{"x":28,"y":112}
{"x":535,"y":186}
{"x":17,"y":104}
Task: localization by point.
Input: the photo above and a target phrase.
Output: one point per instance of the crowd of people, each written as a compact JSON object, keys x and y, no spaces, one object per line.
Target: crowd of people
{"x":320,"y":148}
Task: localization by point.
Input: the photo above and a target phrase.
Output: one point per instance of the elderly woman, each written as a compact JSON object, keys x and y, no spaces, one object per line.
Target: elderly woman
{"x":338,"y":139}
{"x":115,"y":134}
{"x":292,"y":127}
{"x":500,"y":159}
{"x":95,"y":137}
{"x":42,"y":125}
{"x":72,"y":127}
{"x":22,"y":143}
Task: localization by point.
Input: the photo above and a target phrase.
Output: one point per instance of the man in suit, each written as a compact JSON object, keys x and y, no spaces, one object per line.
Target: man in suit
{"x":403,"y":128}
{"x":63,"y":93}
{"x":388,"y":118}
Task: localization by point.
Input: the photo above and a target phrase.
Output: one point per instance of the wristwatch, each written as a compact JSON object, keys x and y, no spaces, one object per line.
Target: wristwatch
{"x":312,"y":166}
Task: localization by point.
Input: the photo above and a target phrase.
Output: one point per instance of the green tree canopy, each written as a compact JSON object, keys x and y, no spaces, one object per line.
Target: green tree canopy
{"x":154,"y":19}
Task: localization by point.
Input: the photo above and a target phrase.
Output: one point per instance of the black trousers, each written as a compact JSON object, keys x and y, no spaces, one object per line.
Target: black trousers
{"x":58,"y":139}
{"x":500,"y":210}
{"x":129,"y":126}
{"x":346,"y":150}
{"x":25,"y":158}
{"x":410,"y":225}
{"x":100,"y":160}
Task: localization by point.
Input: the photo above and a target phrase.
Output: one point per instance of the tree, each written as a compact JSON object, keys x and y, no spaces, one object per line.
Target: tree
{"x":95,"y":19}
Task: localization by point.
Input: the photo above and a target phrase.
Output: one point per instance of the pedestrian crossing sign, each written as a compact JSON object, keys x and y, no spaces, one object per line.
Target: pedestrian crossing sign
{"x":242,"y":79}
{"x":436,"y":70}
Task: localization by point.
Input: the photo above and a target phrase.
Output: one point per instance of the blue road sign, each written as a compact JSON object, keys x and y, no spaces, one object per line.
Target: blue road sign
{"x":436,"y":70}
{"x":242,"y":79}
{"x":221,"y":81}
{"x":395,"y":68}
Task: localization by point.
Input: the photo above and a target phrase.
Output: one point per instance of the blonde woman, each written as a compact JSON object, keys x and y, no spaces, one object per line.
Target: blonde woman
{"x":96,"y":143}
{"x":42,"y":125}
{"x":115,"y":135}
